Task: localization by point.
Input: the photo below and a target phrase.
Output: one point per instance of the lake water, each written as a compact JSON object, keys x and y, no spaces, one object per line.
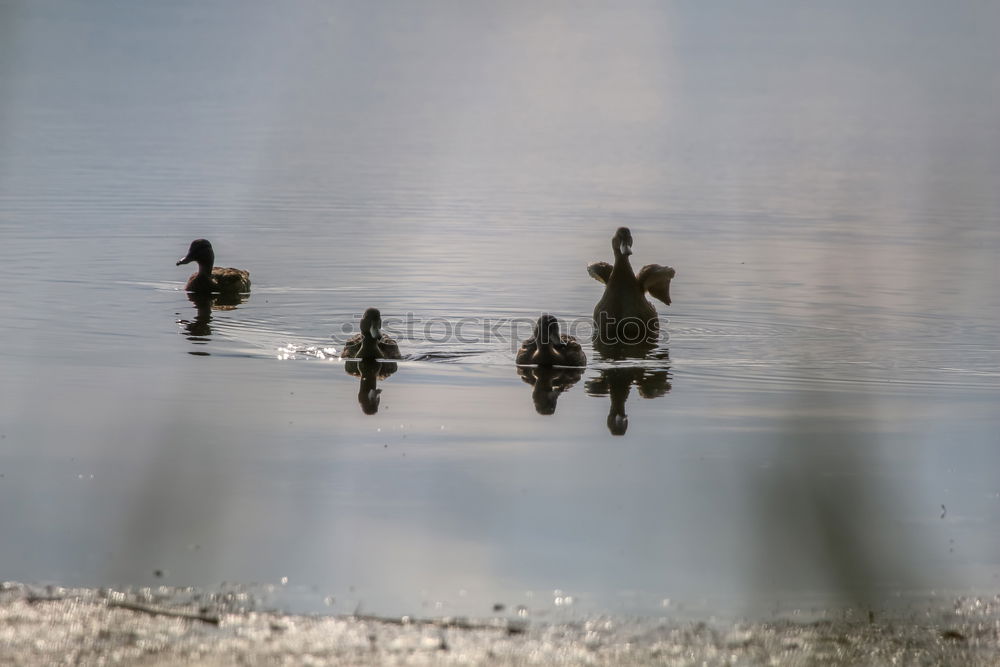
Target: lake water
{"x":818,"y":424}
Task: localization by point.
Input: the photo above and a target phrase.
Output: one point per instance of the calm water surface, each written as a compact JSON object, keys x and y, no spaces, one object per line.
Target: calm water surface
{"x":818,"y":423}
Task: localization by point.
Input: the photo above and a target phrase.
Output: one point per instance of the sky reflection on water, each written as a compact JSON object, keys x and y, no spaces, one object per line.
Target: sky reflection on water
{"x":823,"y":179}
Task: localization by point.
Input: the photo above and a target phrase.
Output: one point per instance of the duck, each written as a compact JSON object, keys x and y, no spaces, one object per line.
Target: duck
{"x":624,"y":315}
{"x":548,"y":347}
{"x":211,"y":278}
{"x":371,"y":343}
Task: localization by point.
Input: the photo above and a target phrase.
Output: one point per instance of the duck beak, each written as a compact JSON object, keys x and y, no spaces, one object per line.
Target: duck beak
{"x":184,"y":260}
{"x":625,"y":248}
{"x":373,"y":330}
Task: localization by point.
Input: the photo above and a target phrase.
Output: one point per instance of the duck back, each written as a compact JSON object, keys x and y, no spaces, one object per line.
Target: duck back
{"x":623,"y":296}
{"x":226,"y":280}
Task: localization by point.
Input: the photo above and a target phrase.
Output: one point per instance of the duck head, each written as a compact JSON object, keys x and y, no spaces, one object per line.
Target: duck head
{"x":201,"y":252}
{"x":371,"y":324}
{"x":621,"y":242}
{"x":547,"y":331}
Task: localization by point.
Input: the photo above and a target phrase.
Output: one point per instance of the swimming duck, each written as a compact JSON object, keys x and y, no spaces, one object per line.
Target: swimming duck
{"x":548,"y":347}
{"x":624,"y":314}
{"x":212,"y":278}
{"x":371,"y":343}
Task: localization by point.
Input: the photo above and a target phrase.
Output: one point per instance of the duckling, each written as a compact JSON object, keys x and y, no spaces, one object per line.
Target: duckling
{"x":209,"y":279}
{"x":371,"y":343}
{"x":548,"y":347}
{"x":624,"y":314}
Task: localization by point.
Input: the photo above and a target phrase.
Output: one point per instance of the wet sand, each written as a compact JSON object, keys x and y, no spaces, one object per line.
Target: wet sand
{"x":174,"y":626}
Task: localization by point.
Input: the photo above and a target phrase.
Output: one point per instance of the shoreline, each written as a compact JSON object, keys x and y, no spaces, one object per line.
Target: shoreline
{"x":104,"y":626}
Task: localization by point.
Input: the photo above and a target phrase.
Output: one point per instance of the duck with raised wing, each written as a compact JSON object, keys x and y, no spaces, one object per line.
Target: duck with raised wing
{"x":548,"y":347}
{"x":371,"y":343}
{"x":624,"y":315}
{"x":210,"y":278}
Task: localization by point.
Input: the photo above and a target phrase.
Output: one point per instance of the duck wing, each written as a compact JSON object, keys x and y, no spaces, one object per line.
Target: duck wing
{"x":389,"y":347}
{"x":525,"y":353}
{"x":351,"y":347}
{"x":600,"y":271}
{"x":655,"y":279}
{"x":231,"y":280}
{"x":573,"y":353}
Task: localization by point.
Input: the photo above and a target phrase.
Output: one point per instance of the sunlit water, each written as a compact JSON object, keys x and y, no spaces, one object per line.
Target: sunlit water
{"x":818,"y":423}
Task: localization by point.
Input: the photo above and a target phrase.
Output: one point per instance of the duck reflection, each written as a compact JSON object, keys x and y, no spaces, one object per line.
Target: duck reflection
{"x":199,"y":329}
{"x":370,"y":371}
{"x":548,"y":383}
{"x":617,"y":383}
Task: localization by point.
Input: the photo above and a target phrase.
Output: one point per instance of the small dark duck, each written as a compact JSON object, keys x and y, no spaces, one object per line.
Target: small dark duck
{"x":624,"y":315}
{"x":548,"y":347}
{"x":210,"y":278}
{"x":371,"y":343}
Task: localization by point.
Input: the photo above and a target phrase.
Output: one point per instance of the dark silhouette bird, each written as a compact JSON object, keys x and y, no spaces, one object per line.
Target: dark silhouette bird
{"x":548,"y":347}
{"x":624,"y":315}
{"x":371,"y":343}
{"x":210,"y":278}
